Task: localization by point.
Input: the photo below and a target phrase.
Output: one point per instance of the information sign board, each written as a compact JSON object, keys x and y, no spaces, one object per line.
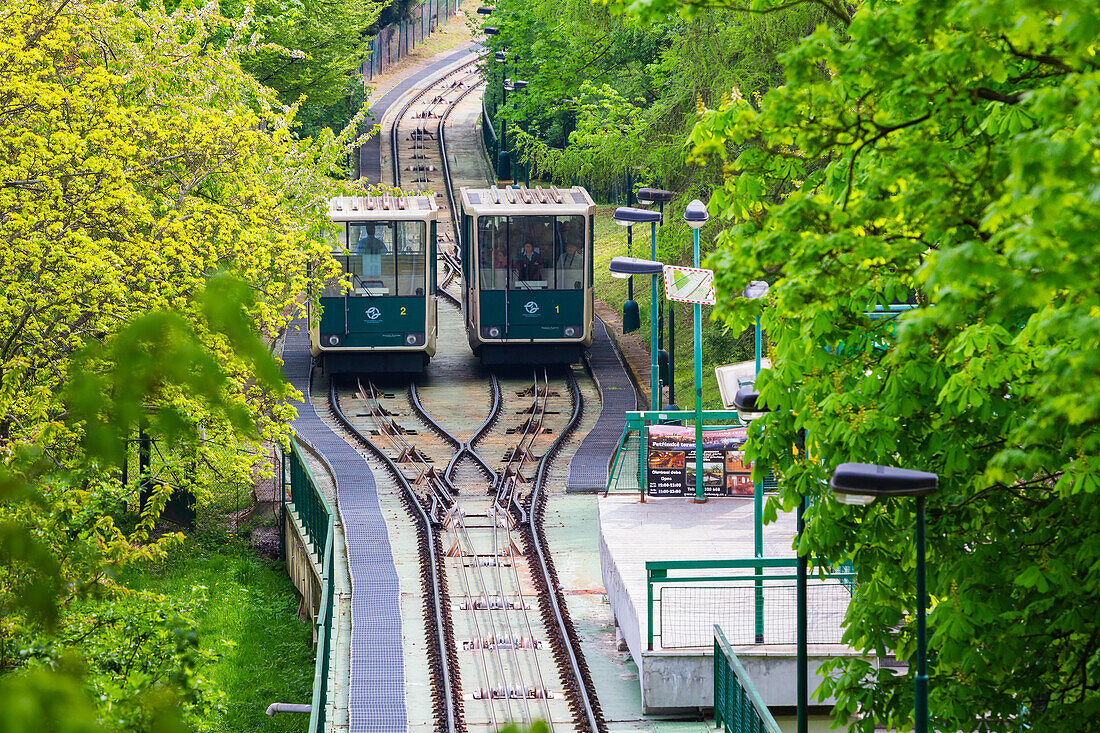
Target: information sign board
{"x":671,"y":463}
{"x":689,"y":284}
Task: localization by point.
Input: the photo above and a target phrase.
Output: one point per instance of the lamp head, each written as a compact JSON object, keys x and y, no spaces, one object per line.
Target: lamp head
{"x":654,"y":195}
{"x":696,"y":214}
{"x":484,"y":11}
{"x":755,"y":289}
{"x":624,"y":267}
{"x":491,"y":30}
{"x":862,"y":483}
{"x":627,"y":215}
{"x":500,"y":56}
{"x":748,"y":404}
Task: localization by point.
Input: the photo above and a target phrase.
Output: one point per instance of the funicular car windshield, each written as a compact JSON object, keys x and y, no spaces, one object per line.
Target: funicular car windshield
{"x":381,"y":258}
{"x":531,"y":252}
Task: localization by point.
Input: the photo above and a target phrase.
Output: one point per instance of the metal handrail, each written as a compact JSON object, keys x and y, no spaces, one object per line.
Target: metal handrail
{"x":657,"y":573}
{"x":319,"y":522}
{"x":733,"y":688}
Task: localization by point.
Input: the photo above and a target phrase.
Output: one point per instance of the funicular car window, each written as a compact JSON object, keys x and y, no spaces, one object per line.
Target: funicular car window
{"x":531,"y":252}
{"x":382,"y":258}
{"x":492,"y":237}
{"x":411,"y":255}
{"x":569,"y":266}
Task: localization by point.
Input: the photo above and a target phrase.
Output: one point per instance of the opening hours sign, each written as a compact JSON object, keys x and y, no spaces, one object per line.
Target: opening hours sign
{"x":689,"y":284}
{"x":671,"y":462}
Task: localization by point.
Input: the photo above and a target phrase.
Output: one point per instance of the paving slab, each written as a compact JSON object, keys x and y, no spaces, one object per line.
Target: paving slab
{"x":676,"y":671}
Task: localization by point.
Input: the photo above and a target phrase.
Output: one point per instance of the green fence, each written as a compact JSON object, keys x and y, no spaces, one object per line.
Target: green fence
{"x":738,"y":707}
{"x":396,"y":40}
{"x":304,"y":498}
{"x":753,"y":599}
{"x":625,"y":473}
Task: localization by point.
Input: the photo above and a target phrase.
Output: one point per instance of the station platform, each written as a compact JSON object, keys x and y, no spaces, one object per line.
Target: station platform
{"x":675,"y":654}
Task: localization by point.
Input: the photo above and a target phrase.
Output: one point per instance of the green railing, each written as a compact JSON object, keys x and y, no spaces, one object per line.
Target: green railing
{"x":638,"y":422}
{"x":705,"y":595}
{"x":625,"y":469}
{"x":318,"y":518}
{"x":489,"y":135}
{"x":738,"y":707}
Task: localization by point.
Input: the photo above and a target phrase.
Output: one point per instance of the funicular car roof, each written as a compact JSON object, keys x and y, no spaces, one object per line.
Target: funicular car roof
{"x":383,"y":208}
{"x":537,"y":201}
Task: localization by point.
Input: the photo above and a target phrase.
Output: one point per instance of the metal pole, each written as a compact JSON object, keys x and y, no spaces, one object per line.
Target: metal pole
{"x":757,"y":373}
{"x":502,"y":157}
{"x":697,"y":314}
{"x":671,"y":355}
{"x":654,"y":386}
{"x":654,"y":332}
{"x":630,"y":253}
{"x":801,"y":663}
{"x":920,"y":682}
{"x":758,"y":550}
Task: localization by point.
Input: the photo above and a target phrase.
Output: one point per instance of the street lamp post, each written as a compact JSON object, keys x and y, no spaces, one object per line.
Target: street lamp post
{"x":861,"y":484}
{"x":753,"y":291}
{"x":626,"y":267}
{"x":630,"y":216}
{"x":504,"y":162}
{"x":511,"y":85}
{"x":632,"y":320}
{"x":648,"y":197}
{"x":696,"y":216}
{"x":749,"y":407}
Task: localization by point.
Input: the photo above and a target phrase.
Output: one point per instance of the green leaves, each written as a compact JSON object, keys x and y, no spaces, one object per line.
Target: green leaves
{"x":944,"y":151}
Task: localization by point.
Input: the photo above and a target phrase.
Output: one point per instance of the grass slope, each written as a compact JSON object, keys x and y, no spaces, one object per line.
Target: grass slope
{"x":250,"y":617}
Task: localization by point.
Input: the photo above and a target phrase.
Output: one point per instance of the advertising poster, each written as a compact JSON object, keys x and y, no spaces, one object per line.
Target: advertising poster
{"x":671,"y":467}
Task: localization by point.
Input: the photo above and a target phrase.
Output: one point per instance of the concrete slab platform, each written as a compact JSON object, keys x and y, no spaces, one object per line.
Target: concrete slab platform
{"x":676,"y":671}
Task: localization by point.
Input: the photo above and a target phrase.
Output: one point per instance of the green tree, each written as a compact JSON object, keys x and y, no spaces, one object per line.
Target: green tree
{"x":947,"y":148}
{"x":309,"y":54}
{"x":137,"y":162}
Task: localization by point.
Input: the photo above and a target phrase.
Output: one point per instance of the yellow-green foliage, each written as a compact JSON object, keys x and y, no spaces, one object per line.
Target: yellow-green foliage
{"x":156,"y":216}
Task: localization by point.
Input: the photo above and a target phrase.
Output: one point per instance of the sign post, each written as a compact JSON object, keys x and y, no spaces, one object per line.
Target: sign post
{"x":696,"y":286}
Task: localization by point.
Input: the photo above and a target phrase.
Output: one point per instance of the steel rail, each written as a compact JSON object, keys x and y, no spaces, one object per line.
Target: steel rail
{"x":463,"y":533}
{"x":404,"y":110}
{"x":462,"y":447}
{"x":450,"y":718}
{"x":534,"y":527}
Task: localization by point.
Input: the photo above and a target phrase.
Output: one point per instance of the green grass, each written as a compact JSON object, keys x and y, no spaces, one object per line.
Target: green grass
{"x":250,"y":617}
{"x":718,"y":347}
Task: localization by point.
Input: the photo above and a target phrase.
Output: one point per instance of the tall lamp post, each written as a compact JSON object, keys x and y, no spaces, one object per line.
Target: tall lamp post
{"x":861,"y":484}
{"x":696,"y":216}
{"x":749,"y":407}
{"x":624,"y":267}
{"x":504,"y":157}
{"x":629,"y":216}
{"x":632,"y":320}
{"x":515,"y":85}
{"x":667,"y":358}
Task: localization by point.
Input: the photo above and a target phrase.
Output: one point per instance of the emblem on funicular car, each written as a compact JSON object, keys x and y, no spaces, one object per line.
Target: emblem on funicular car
{"x":373,"y":313}
{"x":531,"y":307}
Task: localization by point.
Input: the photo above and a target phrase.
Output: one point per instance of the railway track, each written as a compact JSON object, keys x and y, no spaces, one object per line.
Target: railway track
{"x":422,"y":165}
{"x":471,"y":453}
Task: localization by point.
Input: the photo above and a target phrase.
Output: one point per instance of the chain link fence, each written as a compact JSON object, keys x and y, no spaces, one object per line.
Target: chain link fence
{"x":689,"y":613}
{"x":397,"y":40}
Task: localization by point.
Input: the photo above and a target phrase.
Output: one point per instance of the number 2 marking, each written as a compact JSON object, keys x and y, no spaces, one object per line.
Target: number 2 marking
{"x":402,"y":310}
